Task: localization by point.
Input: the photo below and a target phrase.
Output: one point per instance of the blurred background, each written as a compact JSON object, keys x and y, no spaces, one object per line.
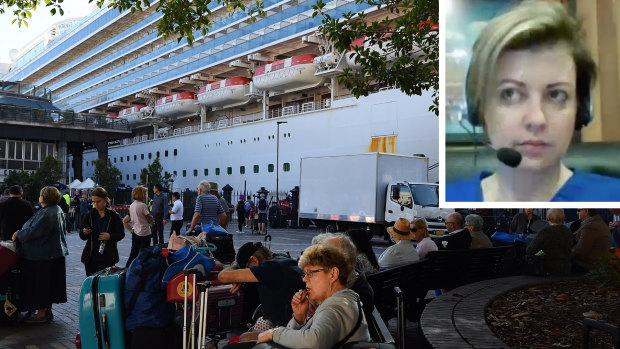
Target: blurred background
{"x":596,"y":148}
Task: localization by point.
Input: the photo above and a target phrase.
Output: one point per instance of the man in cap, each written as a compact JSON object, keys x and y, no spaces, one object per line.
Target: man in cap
{"x":403,"y":251}
{"x":278,"y":279}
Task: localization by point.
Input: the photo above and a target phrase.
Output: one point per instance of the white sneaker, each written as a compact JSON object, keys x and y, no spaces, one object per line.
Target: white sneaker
{"x":240,"y":232}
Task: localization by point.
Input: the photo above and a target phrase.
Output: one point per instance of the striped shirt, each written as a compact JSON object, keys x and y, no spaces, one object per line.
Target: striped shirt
{"x":209,"y":208}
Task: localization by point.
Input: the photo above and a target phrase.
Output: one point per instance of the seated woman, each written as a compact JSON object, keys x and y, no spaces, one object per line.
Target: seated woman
{"x":420,"y":234}
{"x":42,"y":246}
{"x":366,"y":260}
{"x":528,"y":85}
{"x":556,"y":242}
{"x":337,"y":320}
{"x":403,"y":251}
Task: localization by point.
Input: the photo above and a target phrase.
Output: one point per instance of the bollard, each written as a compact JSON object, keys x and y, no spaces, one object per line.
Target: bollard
{"x":400,"y":308}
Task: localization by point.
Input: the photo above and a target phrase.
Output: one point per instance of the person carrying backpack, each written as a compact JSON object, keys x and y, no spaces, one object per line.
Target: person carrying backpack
{"x":262,"y":215}
{"x":240,"y":213}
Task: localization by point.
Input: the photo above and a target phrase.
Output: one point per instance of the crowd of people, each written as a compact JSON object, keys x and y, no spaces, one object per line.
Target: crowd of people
{"x":320,"y":300}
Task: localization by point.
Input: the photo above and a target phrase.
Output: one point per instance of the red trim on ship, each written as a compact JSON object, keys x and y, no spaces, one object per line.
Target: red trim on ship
{"x":176,"y":97}
{"x":277,"y":65}
{"x":237,"y":80}
{"x":131,"y":110}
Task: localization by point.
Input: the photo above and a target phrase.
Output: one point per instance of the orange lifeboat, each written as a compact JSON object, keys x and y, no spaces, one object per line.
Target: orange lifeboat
{"x":295,"y":73}
{"x":228,"y":92}
{"x":178,"y":105}
{"x":133,"y":115}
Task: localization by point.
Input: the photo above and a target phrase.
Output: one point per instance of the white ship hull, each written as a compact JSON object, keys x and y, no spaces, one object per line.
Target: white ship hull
{"x":387,"y":121}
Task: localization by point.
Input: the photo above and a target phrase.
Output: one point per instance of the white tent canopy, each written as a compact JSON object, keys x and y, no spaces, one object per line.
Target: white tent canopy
{"x":87,"y":184}
{"x":75,"y":184}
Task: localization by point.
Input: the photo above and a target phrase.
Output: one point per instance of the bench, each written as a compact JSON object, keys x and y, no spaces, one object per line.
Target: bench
{"x":444,"y":269}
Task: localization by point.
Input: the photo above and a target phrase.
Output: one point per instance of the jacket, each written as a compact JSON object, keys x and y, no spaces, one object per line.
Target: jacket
{"x":14,"y":212}
{"x":333,"y":320}
{"x":556,"y":242}
{"x":43,"y":237}
{"x":593,"y":241}
{"x":114,"y":227}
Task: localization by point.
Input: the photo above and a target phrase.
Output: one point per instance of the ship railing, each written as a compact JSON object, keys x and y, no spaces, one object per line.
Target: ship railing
{"x":56,"y":117}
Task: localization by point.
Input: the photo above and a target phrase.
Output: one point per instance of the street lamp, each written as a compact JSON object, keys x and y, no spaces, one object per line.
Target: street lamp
{"x":278,"y":173}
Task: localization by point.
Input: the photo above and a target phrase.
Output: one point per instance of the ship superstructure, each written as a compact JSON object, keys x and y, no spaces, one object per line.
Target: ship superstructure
{"x":209,"y":111}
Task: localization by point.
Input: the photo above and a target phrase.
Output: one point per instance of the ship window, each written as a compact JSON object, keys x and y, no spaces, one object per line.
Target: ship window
{"x":175,"y":152}
{"x":217,"y":171}
{"x":195,"y":173}
{"x":174,"y":173}
{"x":114,"y":160}
{"x":184,"y":173}
{"x":142,"y":156}
{"x":121,"y":159}
{"x":270,"y":168}
{"x":166,"y":153}
{"x":128,"y":158}
{"x":150,"y":156}
{"x":122,"y":177}
{"x":135,"y":157}
{"x":229,"y":170}
{"x":242,"y":169}
{"x":134,"y":176}
{"x":256,"y":168}
{"x":206,"y":171}
{"x":157,"y":154}
{"x":286,"y":167}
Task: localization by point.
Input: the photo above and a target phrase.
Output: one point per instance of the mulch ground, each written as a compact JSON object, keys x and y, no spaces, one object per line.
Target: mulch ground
{"x":551,"y":315}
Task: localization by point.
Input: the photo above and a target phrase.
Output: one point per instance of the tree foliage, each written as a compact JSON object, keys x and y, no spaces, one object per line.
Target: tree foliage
{"x":408,"y":50}
{"x":48,"y":173}
{"x":154,"y":173}
{"x":108,"y":177}
{"x":399,"y":35}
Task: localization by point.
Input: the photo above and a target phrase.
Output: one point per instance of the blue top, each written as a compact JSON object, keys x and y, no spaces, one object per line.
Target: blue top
{"x":581,"y":186}
{"x":160,"y":204}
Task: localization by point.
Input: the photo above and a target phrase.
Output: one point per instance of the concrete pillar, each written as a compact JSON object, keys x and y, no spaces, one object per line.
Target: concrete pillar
{"x":77,"y":152}
{"x":62,"y":157}
{"x":102,"y":151}
{"x":155,"y":131}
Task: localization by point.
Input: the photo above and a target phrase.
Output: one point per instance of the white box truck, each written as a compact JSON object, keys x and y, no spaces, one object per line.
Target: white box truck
{"x":367,"y":191}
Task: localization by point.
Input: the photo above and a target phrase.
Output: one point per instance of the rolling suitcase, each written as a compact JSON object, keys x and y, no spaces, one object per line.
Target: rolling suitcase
{"x":223,"y":309}
{"x":101,"y":310}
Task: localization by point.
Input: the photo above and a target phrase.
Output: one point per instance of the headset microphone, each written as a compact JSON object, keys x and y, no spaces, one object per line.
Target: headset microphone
{"x":509,"y":157}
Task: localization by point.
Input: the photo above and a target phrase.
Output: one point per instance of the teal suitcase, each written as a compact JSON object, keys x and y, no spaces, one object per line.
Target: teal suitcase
{"x":101,"y":310}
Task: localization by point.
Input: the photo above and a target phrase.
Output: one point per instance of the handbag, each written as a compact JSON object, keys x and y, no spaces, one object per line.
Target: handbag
{"x":212,"y":229}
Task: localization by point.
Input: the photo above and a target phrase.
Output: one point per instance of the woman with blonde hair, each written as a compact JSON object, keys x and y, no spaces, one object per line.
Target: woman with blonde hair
{"x":555,"y":241}
{"x":420,"y":234}
{"x":337,"y":320}
{"x":141,"y":220}
{"x":102,"y":228}
{"x":528,"y":85}
{"x":42,"y":246}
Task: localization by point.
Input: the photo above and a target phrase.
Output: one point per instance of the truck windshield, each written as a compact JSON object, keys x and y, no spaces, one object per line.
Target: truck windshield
{"x":425,"y":195}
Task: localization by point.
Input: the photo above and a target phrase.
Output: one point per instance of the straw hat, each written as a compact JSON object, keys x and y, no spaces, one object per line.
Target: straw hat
{"x":401,"y":230}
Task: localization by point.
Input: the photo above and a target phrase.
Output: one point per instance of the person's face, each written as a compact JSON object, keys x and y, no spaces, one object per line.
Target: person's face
{"x":528,"y":211}
{"x":155,"y":190}
{"x":469,"y":227}
{"x":41,"y":201}
{"x":582,"y":213}
{"x":532,"y":105}
{"x":99,"y":203}
{"x":318,"y":281}
{"x":451,"y":224}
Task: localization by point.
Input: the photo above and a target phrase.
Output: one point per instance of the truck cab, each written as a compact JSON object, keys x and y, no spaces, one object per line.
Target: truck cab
{"x":414,"y":200}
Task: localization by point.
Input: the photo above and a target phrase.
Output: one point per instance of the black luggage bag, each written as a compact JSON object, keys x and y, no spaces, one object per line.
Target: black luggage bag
{"x":9,"y":297}
{"x":225,"y":252}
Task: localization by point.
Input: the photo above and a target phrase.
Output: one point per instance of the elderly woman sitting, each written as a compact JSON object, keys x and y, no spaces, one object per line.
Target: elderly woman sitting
{"x":337,"y":320}
{"x":556,"y":241}
{"x":474,"y":224}
{"x":420,"y":233}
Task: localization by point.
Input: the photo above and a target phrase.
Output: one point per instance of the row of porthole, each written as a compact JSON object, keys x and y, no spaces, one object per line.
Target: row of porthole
{"x":135,"y":157}
{"x":286,"y":167}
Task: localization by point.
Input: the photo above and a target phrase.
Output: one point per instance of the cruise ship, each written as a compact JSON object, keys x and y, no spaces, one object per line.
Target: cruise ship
{"x":241,"y":106}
